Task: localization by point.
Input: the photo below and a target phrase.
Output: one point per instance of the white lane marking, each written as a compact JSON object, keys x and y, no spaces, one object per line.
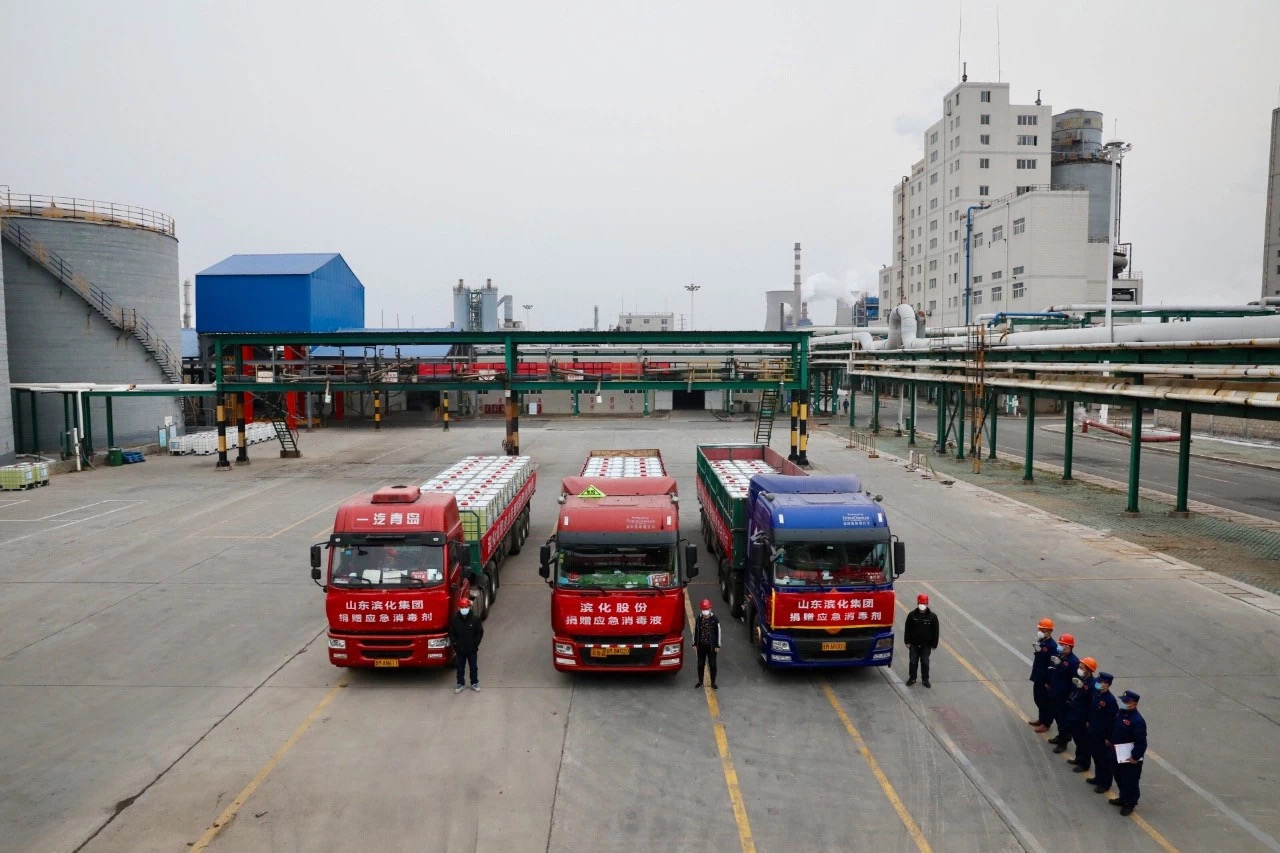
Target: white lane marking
{"x":1238,"y":819}
{"x":69,"y":511}
{"x":69,"y":523}
{"x":1019,"y":830}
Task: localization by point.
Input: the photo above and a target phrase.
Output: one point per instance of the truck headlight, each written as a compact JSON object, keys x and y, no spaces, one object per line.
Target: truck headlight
{"x":780,"y":646}
{"x":564,"y":649}
{"x":337,"y":644}
{"x":884,"y":643}
{"x":438,"y":643}
{"x":671,"y":649}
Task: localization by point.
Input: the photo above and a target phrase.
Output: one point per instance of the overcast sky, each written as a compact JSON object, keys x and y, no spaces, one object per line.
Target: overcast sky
{"x":610,"y":153}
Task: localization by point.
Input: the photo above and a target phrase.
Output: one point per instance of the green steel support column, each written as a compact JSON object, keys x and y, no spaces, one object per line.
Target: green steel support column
{"x":1184,"y":467}
{"x":111,"y":425}
{"x":911,"y":424}
{"x":575,"y":402}
{"x":1135,"y":459}
{"x":217,"y":364}
{"x":88,"y":427}
{"x":1068,"y":438}
{"x":875,"y":406}
{"x":1028,"y":471}
{"x":35,"y":425}
{"x":66,"y":425}
{"x":853,"y":398}
{"x":646,"y":402}
{"x":15,"y":402}
{"x":961,"y":407}
{"x":941,"y":446}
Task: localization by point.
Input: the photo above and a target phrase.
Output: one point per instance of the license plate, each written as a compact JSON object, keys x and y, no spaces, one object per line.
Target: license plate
{"x":608,"y":653}
{"x":834,"y":647}
{"x":385,"y":662}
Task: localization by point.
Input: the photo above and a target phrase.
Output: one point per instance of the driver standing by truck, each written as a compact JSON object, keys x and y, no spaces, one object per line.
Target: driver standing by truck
{"x":466,"y":632}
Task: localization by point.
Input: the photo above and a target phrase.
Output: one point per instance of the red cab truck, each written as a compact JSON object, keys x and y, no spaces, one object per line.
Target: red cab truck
{"x":400,"y":560}
{"x":614,"y":567}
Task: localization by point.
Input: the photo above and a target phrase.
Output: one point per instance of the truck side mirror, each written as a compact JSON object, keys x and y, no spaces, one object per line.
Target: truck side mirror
{"x":544,"y":561}
{"x":691,"y":561}
{"x":315,"y":560}
{"x":899,"y":558}
{"x":315,"y":573}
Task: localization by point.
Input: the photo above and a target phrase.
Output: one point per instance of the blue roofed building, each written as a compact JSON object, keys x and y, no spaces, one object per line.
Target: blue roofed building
{"x":279,"y":293}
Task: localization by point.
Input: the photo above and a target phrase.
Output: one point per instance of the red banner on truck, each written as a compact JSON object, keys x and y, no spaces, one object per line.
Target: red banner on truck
{"x":831,"y":609}
{"x":616,"y":613}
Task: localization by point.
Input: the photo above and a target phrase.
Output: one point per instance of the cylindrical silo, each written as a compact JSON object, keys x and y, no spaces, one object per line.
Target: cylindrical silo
{"x":1077,"y":133}
{"x":778,"y":309}
{"x":57,"y":335}
{"x":6,"y":404}
{"x":489,"y":308}
{"x":461,"y":308}
{"x":1077,"y":161}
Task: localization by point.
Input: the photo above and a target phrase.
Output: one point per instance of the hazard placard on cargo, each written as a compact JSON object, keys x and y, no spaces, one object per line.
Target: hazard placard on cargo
{"x":591,"y":492}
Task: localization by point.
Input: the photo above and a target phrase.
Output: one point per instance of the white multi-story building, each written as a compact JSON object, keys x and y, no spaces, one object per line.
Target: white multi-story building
{"x":646,"y":322}
{"x":989,"y":168}
{"x":1271,"y":241}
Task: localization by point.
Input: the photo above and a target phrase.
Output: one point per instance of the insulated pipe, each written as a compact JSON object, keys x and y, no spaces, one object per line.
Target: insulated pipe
{"x":1081,"y":308}
{"x":1203,"y":331}
{"x":79,"y":427}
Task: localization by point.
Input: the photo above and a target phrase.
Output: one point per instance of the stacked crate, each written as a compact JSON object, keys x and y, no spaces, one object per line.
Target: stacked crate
{"x":735,"y":474}
{"x":484,"y":487}
{"x":15,"y":477}
{"x":624,"y":466}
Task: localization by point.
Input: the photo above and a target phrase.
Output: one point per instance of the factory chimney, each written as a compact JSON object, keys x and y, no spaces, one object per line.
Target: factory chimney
{"x":595,"y":323}
{"x":186,"y":304}
{"x":796,"y":300}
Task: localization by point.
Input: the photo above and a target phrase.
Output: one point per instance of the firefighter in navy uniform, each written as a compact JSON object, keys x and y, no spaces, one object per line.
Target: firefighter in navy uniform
{"x":1044,"y":646}
{"x":1102,"y":716}
{"x":1129,"y":728}
{"x":1064,"y":665}
{"x":1078,"y":704}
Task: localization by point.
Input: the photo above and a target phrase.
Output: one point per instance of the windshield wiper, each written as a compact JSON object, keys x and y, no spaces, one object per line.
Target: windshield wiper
{"x":587,"y":587}
{"x":350,"y":578}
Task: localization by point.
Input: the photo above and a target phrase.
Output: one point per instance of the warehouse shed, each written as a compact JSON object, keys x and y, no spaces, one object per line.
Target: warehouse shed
{"x":279,"y":293}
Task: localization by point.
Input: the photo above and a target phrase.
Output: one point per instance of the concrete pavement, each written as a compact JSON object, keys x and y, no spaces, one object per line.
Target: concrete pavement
{"x":164,"y":671}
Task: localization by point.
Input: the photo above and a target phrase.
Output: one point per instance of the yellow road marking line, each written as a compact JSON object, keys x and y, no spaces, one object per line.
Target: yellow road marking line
{"x":1150,"y":830}
{"x":338,"y":502}
{"x":726,"y":759}
{"x":913,"y":828}
{"x":230,"y":812}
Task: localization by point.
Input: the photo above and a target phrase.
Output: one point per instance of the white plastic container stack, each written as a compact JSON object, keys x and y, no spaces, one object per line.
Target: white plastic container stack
{"x":735,"y":474}
{"x":624,"y":466}
{"x":16,"y":477}
{"x":206,"y":442}
{"x":484,"y":487}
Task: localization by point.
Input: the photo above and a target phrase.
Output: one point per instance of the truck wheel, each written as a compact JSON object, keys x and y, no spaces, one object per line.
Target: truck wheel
{"x":480,"y":594}
{"x":750,"y":619}
{"x":706,"y":531}
{"x":514,"y":539}
{"x":493,"y":574}
{"x":722,"y":573}
{"x":735,"y":595}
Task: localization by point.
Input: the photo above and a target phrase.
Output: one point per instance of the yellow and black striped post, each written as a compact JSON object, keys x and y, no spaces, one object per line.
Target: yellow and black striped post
{"x":512,"y":444}
{"x":377,"y":410}
{"x":242,"y":451}
{"x":444,"y":403}
{"x":795,"y":426}
{"x":803,"y":457}
{"x":223,"y":463}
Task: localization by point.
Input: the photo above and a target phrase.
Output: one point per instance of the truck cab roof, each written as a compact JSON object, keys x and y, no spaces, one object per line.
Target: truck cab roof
{"x":832,"y":516}
{"x":398,"y":510}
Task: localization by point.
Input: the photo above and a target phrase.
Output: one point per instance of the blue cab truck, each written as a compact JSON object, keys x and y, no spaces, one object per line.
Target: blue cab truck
{"x":808,"y":562}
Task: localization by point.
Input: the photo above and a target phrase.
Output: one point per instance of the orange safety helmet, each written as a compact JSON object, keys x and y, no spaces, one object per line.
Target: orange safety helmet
{"x":1090,"y":663}
{"x":1046,"y":624}
{"x":1067,"y":640}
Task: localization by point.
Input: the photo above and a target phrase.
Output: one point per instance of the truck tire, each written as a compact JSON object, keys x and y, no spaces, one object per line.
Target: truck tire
{"x":750,"y":618}
{"x":492,"y":574}
{"x":736,"y":595}
{"x":706,"y":531}
{"x":514,"y":539}
{"x":722,"y":574}
{"x":480,"y":596}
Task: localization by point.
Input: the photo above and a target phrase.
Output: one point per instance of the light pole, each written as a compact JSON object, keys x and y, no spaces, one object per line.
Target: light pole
{"x":1115,"y":151}
{"x":527,"y":308}
{"x":692,"y":288}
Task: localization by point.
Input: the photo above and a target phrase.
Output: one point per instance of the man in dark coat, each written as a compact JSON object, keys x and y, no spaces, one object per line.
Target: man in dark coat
{"x":1075,"y":712}
{"x":921,"y":638}
{"x":1045,"y":645}
{"x":1064,"y":667}
{"x":1129,"y":729}
{"x":706,"y":639}
{"x":1102,"y":717}
{"x":465,"y":632}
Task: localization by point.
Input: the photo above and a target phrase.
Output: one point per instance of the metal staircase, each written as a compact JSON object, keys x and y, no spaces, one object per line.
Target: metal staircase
{"x":288,"y":439}
{"x":764,"y":416}
{"x":125,"y":319}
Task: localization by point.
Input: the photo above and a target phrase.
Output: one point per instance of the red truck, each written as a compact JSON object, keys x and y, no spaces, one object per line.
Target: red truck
{"x":617,"y":590}
{"x":401,"y":558}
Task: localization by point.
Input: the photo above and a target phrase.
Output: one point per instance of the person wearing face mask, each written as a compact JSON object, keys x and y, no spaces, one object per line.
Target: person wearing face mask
{"x":1064,"y":664}
{"x":921,"y":638}
{"x":1129,"y":729}
{"x":1102,"y":716}
{"x":706,"y":638}
{"x":465,"y":632}
{"x":1076,"y":712}
{"x":1044,"y":646}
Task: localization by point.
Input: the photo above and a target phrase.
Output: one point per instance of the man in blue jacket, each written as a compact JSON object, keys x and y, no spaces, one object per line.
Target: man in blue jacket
{"x":1045,"y":646}
{"x":1076,"y":711}
{"x":1064,"y":664}
{"x":1102,"y":716}
{"x":1129,"y":728}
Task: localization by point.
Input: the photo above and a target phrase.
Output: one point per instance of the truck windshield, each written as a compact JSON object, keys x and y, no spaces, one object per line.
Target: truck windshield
{"x":835,"y":564}
{"x":387,"y":565}
{"x":615,"y":567}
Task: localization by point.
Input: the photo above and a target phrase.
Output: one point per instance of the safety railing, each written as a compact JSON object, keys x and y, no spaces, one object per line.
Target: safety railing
{"x":68,"y":207}
{"x":866,"y":441}
{"x":124,"y":319}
